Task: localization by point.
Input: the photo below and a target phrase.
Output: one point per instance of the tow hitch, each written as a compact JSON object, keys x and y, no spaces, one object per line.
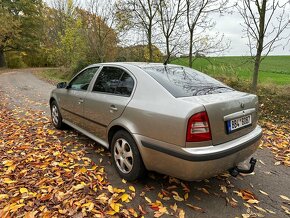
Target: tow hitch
{"x":235,"y":171}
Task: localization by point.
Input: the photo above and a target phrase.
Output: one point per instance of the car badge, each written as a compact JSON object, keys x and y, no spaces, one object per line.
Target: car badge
{"x":242,"y":105}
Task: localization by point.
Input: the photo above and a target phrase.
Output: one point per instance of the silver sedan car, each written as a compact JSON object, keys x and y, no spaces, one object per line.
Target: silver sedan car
{"x":165,"y":118}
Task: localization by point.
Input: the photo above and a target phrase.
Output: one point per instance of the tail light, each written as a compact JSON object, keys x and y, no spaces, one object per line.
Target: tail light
{"x":198,"y":128}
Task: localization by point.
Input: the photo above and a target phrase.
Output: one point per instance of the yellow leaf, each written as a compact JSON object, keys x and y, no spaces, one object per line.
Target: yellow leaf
{"x":286,"y":209}
{"x":148,"y":200}
{"x":89,"y":206}
{"x":174,"y":207}
{"x":7,"y":163}
{"x":260,"y":209}
{"x":10,"y":169}
{"x":23,"y":190}
{"x":118,"y":190}
{"x":186,"y":196}
{"x":110,"y":189}
{"x":181,"y":214}
{"x":8,"y":181}
{"x":253,"y":201}
{"x":124,"y":197}
{"x":78,"y":187}
{"x":50,"y":131}
{"x":3,"y":196}
{"x":264,"y":193}
{"x":224,"y":189}
{"x":15,"y":207}
{"x":124,"y":181}
{"x":270,"y":211}
{"x":177,"y":197}
{"x":131,"y":188}
{"x":284,"y":197}
{"x":111,"y":212}
{"x":82,"y":170}
{"x":116,"y":206}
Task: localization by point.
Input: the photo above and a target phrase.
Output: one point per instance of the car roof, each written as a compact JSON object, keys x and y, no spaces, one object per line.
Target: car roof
{"x":136,"y":64}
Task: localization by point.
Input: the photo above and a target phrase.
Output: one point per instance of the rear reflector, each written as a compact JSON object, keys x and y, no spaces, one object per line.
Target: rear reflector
{"x":198,"y":128}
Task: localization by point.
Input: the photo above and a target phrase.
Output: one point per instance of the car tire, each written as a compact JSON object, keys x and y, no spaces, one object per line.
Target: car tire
{"x":56,"y":117}
{"x":126,"y":156}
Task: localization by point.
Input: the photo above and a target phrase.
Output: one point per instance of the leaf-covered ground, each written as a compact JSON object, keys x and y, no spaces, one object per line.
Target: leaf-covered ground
{"x":50,"y":173}
{"x":40,"y":177}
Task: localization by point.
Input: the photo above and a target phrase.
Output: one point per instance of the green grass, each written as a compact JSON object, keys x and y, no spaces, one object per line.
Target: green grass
{"x":274,"y":69}
{"x":54,"y":75}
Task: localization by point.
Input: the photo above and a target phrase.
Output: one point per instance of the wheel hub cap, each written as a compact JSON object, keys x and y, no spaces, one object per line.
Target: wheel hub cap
{"x":123,"y":155}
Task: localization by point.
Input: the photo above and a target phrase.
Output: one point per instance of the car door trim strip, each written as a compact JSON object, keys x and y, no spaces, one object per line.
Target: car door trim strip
{"x":103,"y":125}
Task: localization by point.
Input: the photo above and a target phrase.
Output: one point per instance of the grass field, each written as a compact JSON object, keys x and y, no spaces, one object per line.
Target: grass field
{"x":274,"y":69}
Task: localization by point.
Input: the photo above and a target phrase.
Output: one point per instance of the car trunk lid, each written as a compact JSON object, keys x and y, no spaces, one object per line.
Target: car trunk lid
{"x":225,"y":112}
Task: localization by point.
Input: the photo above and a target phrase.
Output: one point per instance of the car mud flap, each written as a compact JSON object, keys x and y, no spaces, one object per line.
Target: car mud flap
{"x":235,"y":171}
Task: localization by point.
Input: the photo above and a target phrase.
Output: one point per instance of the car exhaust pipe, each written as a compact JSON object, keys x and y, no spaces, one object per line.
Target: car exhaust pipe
{"x":235,"y":171}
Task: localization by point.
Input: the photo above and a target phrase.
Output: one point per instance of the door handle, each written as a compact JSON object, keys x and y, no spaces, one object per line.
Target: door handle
{"x":81,"y":101}
{"x":113,"y":108}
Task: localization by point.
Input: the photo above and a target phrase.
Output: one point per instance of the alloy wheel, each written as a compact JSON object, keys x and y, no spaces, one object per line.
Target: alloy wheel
{"x":123,"y":155}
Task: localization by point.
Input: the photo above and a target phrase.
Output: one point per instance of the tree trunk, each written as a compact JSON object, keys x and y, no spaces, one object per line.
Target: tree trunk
{"x":167,"y":48}
{"x":262,"y":12}
{"x":2,"y":58}
{"x":190,"y":49}
{"x":150,"y":43}
{"x":256,"y":72}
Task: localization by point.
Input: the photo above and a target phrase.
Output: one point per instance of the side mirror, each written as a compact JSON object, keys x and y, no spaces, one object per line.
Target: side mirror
{"x":61,"y":85}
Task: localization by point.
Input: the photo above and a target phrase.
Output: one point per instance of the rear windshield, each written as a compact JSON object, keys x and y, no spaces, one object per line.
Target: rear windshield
{"x":185,"y":82}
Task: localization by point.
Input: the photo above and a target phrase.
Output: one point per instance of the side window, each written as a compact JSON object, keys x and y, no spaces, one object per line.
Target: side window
{"x":114,"y":81}
{"x":82,"y":81}
{"x":126,"y":85}
{"x":108,"y":80}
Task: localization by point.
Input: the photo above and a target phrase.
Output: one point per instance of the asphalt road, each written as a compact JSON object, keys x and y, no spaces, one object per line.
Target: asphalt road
{"x":27,"y":91}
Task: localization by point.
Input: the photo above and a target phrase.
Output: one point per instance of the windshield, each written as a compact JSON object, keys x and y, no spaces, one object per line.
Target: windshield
{"x":185,"y":82}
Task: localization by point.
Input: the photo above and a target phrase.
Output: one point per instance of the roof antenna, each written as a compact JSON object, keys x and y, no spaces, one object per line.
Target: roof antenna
{"x":166,"y":60}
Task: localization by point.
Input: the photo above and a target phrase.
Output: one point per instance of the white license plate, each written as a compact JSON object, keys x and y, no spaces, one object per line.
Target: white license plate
{"x":239,"y":123}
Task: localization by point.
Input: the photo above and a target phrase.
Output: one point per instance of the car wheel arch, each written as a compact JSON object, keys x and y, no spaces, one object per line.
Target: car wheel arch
{"x":51,"y":100}
{"x":113,"y":130}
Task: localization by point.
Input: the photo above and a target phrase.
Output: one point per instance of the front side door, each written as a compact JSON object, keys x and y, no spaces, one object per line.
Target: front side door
{"x":73,"y":99}
{"x":110,"y":94}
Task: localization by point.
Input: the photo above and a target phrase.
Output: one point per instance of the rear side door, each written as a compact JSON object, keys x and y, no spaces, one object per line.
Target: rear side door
{"x":110,"y":94}
{"x":72,"y":100}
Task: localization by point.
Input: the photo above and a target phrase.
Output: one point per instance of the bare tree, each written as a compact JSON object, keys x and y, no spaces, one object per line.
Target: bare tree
{"x":264,"y":24}
{"x":198,"y":21}
{"x":101,"y":21}
{"x":170,"y":12}
{"x":140,"y":14}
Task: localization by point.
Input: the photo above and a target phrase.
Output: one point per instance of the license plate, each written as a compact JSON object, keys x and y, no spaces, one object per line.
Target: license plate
{"x":238,"y":123}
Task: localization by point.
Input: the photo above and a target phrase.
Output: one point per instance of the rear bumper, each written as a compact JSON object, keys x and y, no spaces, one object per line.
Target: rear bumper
{"x":197,"y":163}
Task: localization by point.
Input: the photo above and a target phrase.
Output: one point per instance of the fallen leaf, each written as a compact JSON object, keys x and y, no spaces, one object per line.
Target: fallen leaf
{"x":284,"y":197}
{"x":260,"y":209}
{"x":198,"y":209}
{"x":23,"y":190}
{"x":286,"y":209}
{"x":131,"y":188}
{"x":264,"y":193}
{"x":124,"y":197}
{"x":148,"y":200}
{"x":224,"y":189}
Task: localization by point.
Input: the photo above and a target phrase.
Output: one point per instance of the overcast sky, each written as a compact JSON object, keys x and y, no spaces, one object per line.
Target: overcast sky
{"x":230,"y":25}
